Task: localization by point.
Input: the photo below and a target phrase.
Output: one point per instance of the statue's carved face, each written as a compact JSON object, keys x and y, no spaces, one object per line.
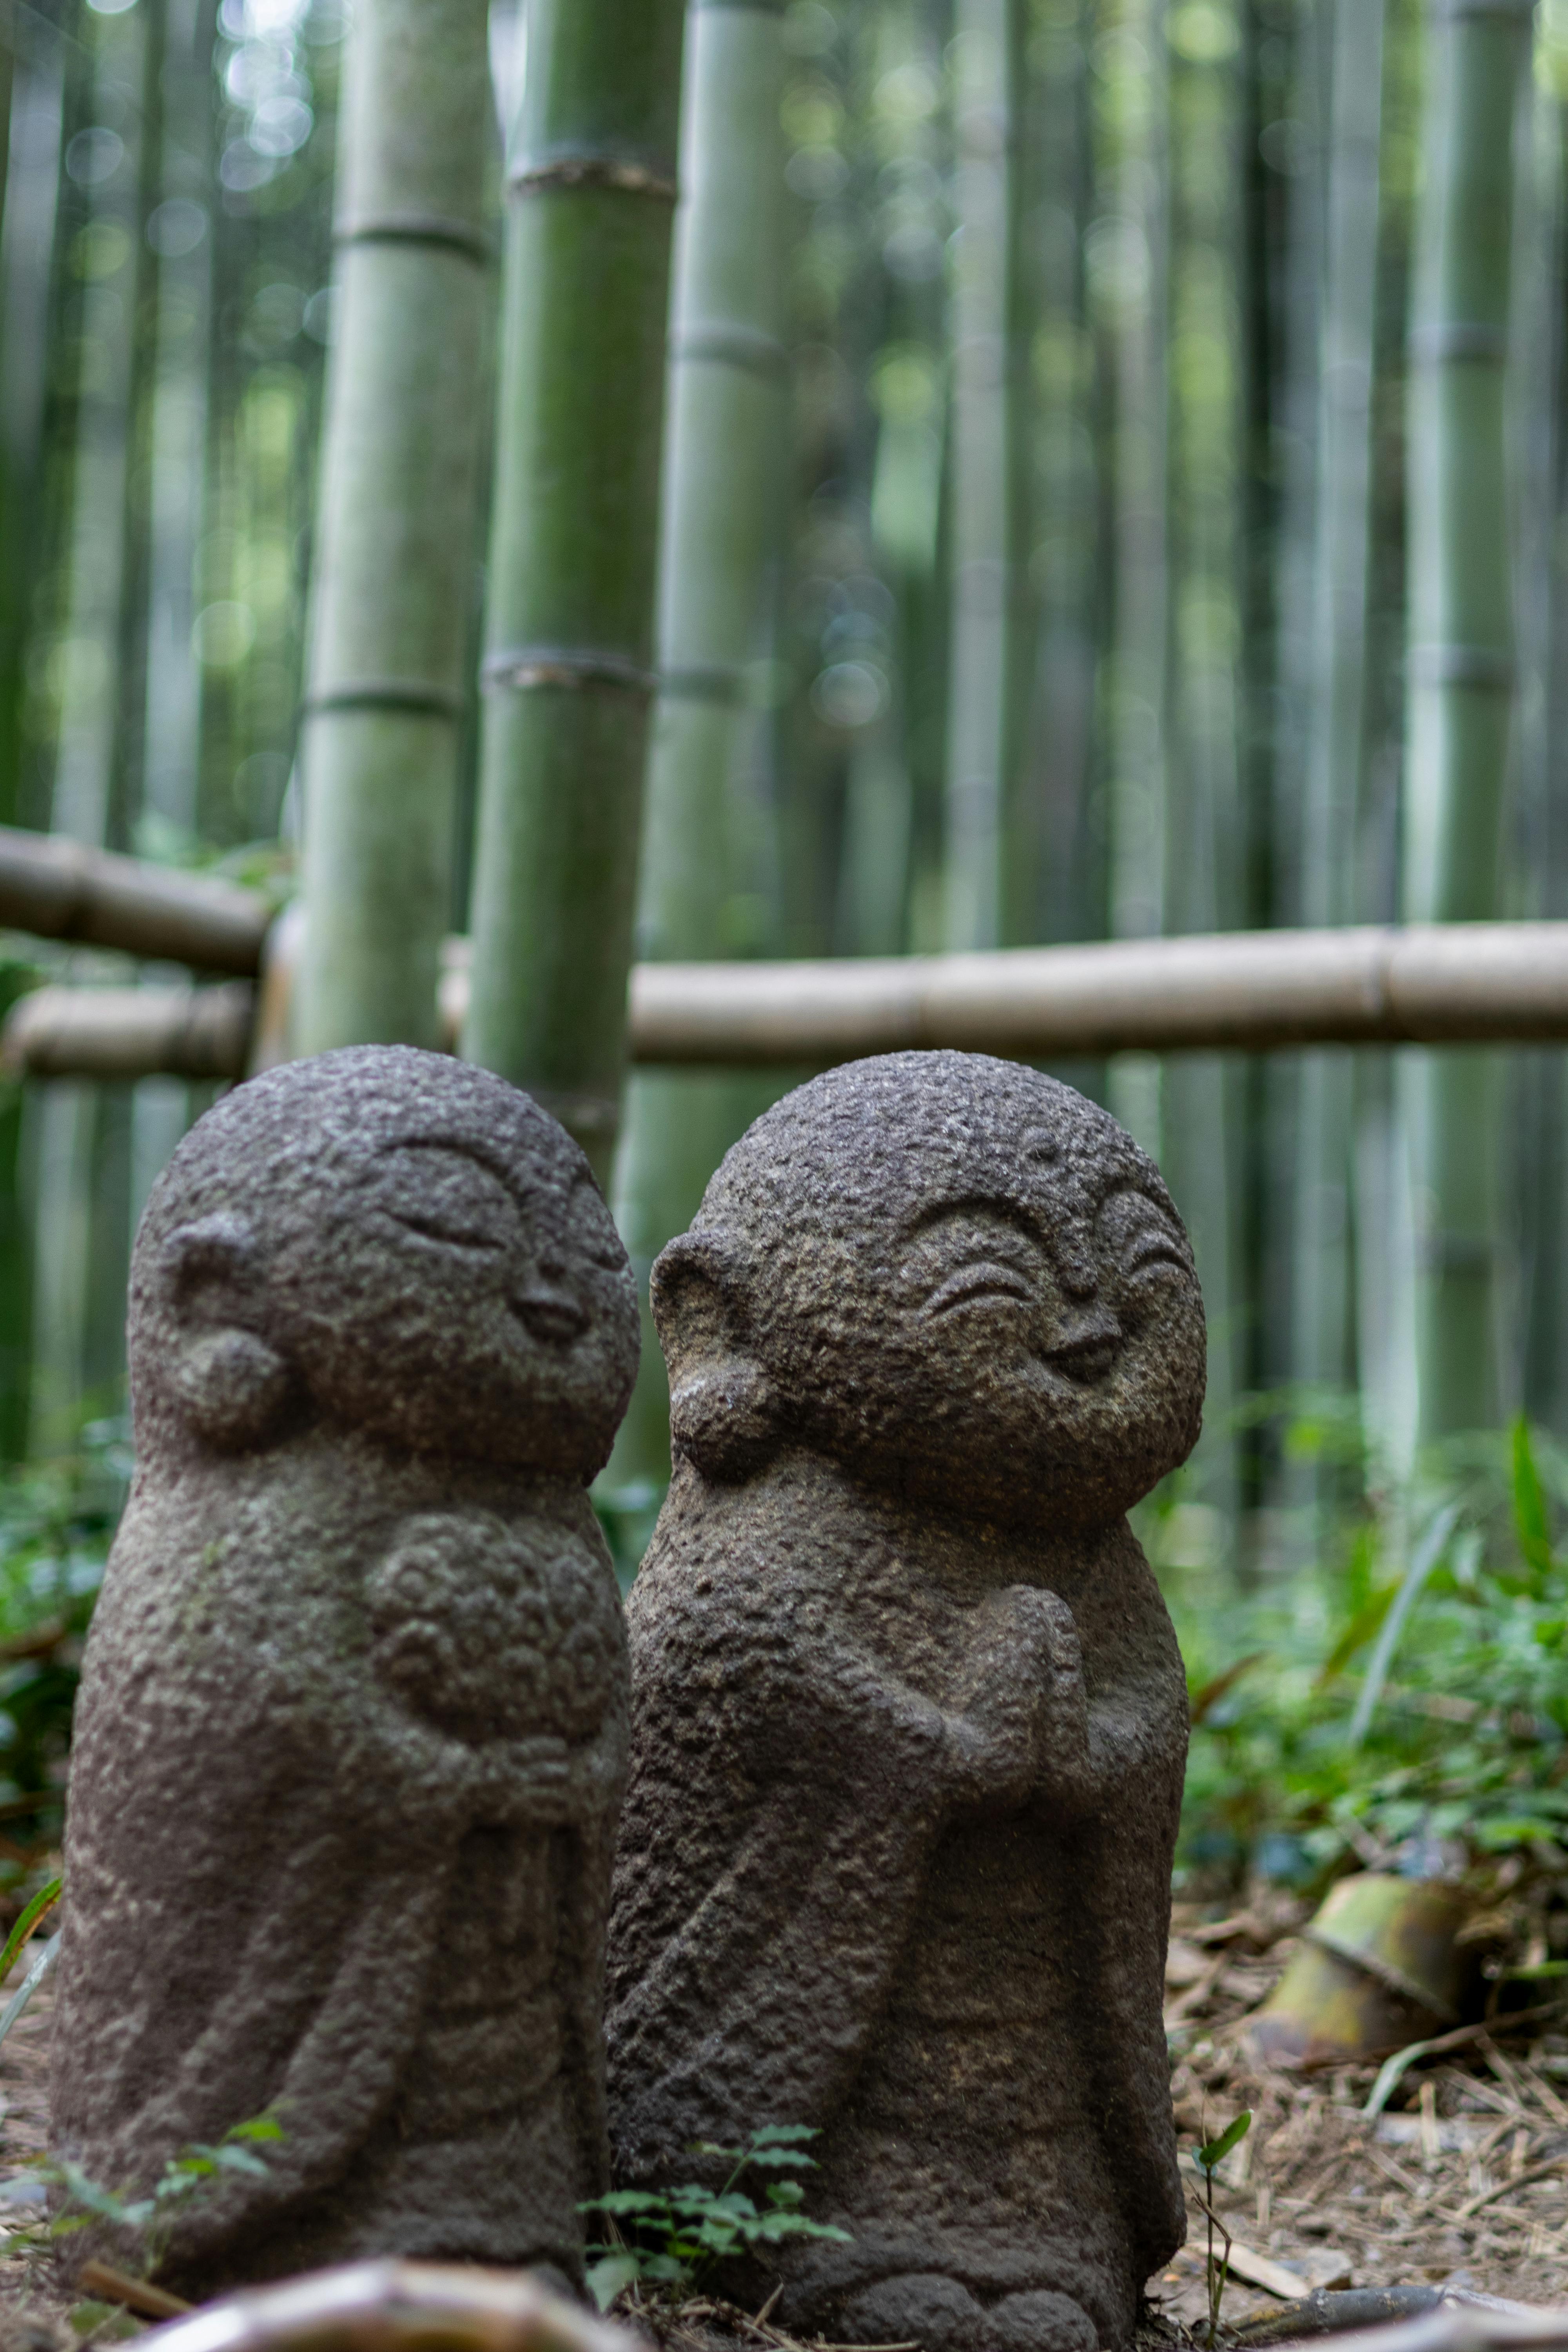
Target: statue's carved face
{"x":1052,"y":1339}
{"x":958,"y":1277}
{"x":388,"y":1241}
{"x":461,"y":1297}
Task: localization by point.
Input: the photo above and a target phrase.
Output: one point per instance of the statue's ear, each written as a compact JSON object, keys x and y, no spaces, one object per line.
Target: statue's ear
{"x":723,"y":1407}
{"x":231,"y":1385}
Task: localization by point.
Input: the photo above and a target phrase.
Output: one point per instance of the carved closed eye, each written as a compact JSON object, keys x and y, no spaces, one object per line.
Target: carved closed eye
{"x":1142,"y":1242}
{"x":980,"y":1278}
{"x":456,"y":1232}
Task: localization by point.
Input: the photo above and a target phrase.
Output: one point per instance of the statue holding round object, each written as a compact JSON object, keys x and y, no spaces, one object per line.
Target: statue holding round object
{"x":351,"y":1735}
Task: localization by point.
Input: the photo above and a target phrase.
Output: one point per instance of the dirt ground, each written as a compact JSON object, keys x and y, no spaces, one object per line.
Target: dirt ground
{"x":1464,"y":2182}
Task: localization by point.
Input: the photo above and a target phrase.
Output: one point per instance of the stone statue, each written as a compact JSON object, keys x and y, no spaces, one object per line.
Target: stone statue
{"x":352,"y":1735}
{"x":909,"y":1720}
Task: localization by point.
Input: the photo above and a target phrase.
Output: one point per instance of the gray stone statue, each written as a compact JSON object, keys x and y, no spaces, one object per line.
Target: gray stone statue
{"x":351,"y":1735}
{"x":909,"y":1720}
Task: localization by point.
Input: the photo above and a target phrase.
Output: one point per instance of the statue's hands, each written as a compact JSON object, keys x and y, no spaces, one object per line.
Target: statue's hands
{"x":1021,"y":1730}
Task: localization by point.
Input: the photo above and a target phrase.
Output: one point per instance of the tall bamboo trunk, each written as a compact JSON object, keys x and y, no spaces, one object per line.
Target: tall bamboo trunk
{"x":721,"y":510}
{"x":1461,"y":669}
{"x":36,"y":101}
{"x":568,"y":634}
{"x":1128,"y":283}
{"x":386,"y":699}
{"x":1323,"y":1340}
{"x":987,"y":527}
{"x":79,"y":1168}
{"x":1202,"y":1098}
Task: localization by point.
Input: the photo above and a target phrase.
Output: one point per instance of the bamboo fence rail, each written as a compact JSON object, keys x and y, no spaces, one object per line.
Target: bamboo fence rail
{"x":1259,"y":992}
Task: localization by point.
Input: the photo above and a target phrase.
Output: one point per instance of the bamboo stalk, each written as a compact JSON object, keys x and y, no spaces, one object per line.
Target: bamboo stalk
{"x":379,"y":757}
{"x":728,"y":420}
{"x":1246,"y":992}
{"x":397,"y":2306}
{"x":62,"y":889}
{"x":987,"y":510}
{"x":1460,"y":671}
{"x":568,"y":667}
{"x":131,"y":1032}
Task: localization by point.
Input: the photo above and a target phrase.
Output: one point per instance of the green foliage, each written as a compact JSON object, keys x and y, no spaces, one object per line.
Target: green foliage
{"x":43,"y":1901}
{"x":1210,"y":2157}
{"x":195,"y":2170}
{"x":1442,"y":1609}
{"x":668,"y":2237}
{"x":57,"y":1523}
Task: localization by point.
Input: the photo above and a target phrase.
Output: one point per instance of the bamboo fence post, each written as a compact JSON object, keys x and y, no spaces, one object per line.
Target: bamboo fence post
{"x":1460,"y":670}
{"x":988,"y":476}
{"x":568,"y":673}
{"x":400,"y":461}
{"x":727,"y":425}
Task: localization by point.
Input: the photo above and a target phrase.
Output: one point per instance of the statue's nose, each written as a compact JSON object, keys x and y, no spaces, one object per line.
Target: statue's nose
{"x":551,"y":1313}
{"x":1087,"y":1345}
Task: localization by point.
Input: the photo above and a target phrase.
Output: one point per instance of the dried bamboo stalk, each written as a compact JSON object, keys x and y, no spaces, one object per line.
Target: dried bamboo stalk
{"x":393,"y":2306}
{"x":1257,"y":992}
{"x":131,"y":1032}
{"x":61,"y":889}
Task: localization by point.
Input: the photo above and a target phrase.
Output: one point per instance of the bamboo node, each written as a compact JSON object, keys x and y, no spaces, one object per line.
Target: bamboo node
{"x":517,"y":668}
{"x":415,"y":228}
{"x":594,"y":171}
{"x":741,"y":347}
{"x":412,"y":694}
{"x":1439,"y":665}
{"x":1458,"y":339}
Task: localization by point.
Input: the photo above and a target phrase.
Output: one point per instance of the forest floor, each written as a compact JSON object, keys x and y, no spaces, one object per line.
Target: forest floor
{"x":1464,"y":2183}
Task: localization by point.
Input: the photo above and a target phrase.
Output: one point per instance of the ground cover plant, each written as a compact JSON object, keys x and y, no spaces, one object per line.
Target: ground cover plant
{"x":1399,"y":1697}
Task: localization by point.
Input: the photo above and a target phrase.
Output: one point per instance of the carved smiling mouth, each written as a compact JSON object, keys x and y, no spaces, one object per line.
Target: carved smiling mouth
{"x":1087,"y":1358}
{"x":551,"y":1315}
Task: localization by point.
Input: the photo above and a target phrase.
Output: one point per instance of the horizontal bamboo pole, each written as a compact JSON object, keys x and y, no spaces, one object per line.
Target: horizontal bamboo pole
{"x":1249,"y":990}
{"x":131,"y":1032}
{"x":60,"y":890}
{"x":1257,"y":992}
{"x":397,"y":2306}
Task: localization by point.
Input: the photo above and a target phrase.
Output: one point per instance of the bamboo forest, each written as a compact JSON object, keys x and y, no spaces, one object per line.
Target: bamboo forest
{"x":802,"y":633}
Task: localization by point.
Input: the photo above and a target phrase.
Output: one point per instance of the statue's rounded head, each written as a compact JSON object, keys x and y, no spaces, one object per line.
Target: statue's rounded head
{"x":956,"y":1276}
{"x":385,"y":1240}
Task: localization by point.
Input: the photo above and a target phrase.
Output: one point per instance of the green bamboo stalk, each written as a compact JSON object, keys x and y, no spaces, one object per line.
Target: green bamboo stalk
{"x":988,"y":513}
{"x":721,"y":509}
{"x":1461,"y":667}
{"x":1127,"y":261}
{"x":80,"y":1237}
{"x":567,"y":669}
{"x":1202,"y":1125}
{"x":379,"y":753}
{"x":1320,"y":1317}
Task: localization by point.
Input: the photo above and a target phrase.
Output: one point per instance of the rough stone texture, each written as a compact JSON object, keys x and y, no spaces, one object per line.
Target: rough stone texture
{"x":909,"y":1720}
{"x":351,"y":1735}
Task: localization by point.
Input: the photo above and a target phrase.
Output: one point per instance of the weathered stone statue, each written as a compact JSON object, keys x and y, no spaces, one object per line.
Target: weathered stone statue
{"x":351,"y":1735}
{"x":908,"y":1715}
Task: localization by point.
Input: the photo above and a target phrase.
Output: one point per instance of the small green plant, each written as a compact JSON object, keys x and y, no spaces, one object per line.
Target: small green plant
{"x":669,"y":2237}
{"x":1210,"y":2157}
{"x":197,"y":2168}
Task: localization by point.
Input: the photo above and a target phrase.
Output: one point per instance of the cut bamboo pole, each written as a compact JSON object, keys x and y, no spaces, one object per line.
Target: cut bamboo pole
{"x":399,"y":478}
{"x":397,"y":2306}
{"x":1246,"y":992}
{"x":568,"y":670}
{"x":62,"y":889}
